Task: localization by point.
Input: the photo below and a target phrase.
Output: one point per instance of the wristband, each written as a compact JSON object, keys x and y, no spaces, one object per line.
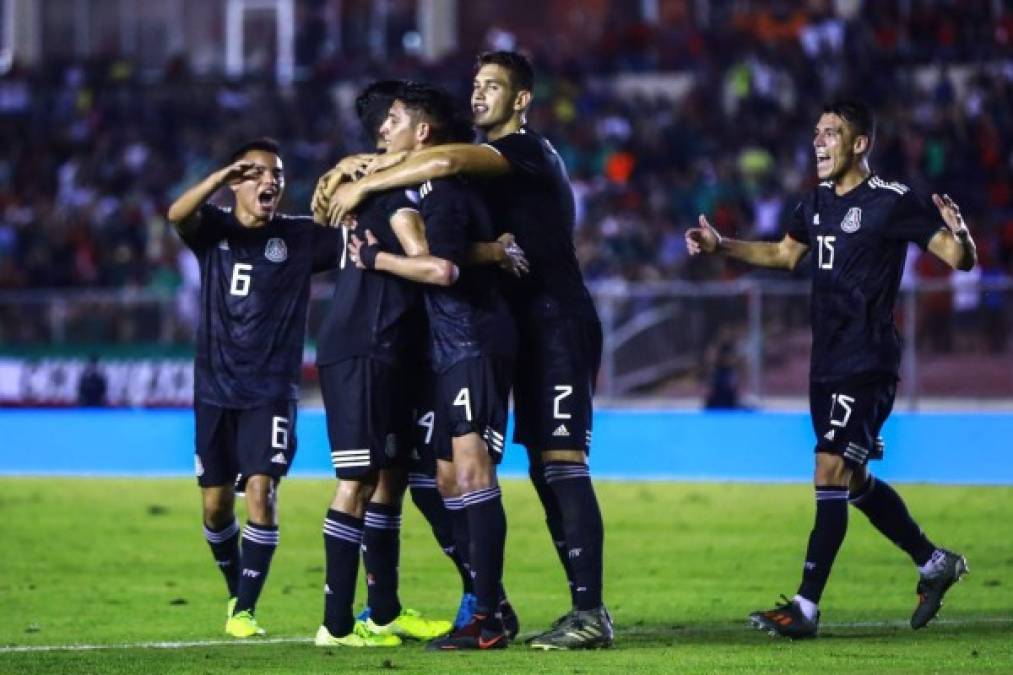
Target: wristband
{"x":368,"y":253}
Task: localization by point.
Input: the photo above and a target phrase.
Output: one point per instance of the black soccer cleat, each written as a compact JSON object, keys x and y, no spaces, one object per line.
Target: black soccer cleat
{"x":580,"y":629}
{"x":950,"y":567}
{"x":511,"y":624}
{"x":786,"y":620}
{"x":474,"y":635}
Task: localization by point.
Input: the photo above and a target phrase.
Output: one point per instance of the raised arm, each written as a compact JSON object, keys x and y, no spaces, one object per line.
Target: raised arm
{"x":954,"y":245}
{"x":184,"y":213}
{"x":426,"y":164}
{"x":784,"y":254}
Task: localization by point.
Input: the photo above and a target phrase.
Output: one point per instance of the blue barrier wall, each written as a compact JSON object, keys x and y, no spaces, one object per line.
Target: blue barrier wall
{"x":655,"y":444}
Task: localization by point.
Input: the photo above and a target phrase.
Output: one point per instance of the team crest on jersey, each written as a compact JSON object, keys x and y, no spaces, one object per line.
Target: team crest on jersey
{"x":852,"y":220}
{"x":276,"y":251}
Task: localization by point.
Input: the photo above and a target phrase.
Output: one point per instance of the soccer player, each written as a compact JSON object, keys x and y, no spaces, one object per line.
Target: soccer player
{"x":859,"y":225}
{"x":367,"y":355}
{"x":255,"y":274}
{"x":560,"y":337}
{"x":472,"y":344}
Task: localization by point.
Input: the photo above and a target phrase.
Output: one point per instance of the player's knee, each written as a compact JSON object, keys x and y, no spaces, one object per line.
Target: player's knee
{"x":859,"y":478}
{"x":218,"y":507}
{"x":831,"y":470}
{"x":474,"y":475}
{"x":352,"y":495}
{"x":390,"y":487}
{"x":261,"y":500}
{"x":576,"y":456}
{"x":446,"y":482}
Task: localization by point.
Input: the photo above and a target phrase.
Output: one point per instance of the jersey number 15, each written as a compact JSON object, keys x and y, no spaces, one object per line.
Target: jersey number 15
{"x":826,"y":251}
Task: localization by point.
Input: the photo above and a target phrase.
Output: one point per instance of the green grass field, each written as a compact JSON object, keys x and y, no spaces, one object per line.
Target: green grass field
{"x":122,"y":562}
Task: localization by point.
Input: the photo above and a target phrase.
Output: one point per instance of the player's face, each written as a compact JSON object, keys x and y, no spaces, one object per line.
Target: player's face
{"x":261,"y":194}
{"x":834,"y":143}
{"x":493,"y":98}
{"x":398,"y":131}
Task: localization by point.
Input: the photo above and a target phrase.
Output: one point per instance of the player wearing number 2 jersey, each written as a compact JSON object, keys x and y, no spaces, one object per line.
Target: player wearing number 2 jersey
{"x":255,"y":273}
{"x":859,"y":226}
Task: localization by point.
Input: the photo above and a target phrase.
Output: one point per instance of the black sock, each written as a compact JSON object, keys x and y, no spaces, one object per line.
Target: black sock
{"x":554,"y":519}
{"x":224,"y":545}
{"x":381,"y":553}
{"x":487,"y":525}
{"x":259,"y":542}
{"x":427,"y":499}
{"x":462,"y":539}
{"x":887,"y":512}
{"x":825,"y":539}
{"x":571,"y":483}
{"x":342,"y":538}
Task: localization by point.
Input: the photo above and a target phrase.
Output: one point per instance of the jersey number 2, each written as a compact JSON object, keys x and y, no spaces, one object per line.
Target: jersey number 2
{"x":240,"y":280}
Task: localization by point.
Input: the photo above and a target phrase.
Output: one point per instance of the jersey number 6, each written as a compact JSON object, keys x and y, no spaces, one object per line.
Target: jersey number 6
{"x":240,"y":281}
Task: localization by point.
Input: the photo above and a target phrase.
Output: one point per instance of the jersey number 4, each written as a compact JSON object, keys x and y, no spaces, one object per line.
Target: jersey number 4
{"x":240,"y":279}
{"x":826,"y":252}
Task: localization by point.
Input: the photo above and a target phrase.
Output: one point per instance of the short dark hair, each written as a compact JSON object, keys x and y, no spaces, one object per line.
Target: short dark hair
{"x":264,"y":143}
{"x":438,"y":108}
{"x":372,"y":105}
{"x":522,"y":74}
{"x":857,"y":114}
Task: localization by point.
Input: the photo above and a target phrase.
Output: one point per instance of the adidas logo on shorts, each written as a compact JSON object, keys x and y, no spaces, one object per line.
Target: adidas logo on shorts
{"x":561,"y":430}
{"x":279,"y":458}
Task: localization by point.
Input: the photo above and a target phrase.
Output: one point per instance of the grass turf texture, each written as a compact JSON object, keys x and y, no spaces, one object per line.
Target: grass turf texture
{"x":121,"y":561}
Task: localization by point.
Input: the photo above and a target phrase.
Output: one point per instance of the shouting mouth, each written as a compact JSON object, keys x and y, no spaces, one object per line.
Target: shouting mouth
{"x":267,"y":198}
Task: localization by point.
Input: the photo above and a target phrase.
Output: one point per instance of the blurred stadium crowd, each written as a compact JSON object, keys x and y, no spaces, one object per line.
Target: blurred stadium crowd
{"x":93,"y":152}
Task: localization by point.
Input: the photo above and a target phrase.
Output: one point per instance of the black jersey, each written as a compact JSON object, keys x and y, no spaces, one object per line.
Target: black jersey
{"x":469,"y":318}
{"x":535,"y":203}
{"x":372,"y":313}
{"x":858,"y":242}
{"x":254,"y":291}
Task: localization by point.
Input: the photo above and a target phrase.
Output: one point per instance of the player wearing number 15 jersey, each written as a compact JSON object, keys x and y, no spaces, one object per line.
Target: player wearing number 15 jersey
{"x":857,"y":227}
{"x":255,"y":273}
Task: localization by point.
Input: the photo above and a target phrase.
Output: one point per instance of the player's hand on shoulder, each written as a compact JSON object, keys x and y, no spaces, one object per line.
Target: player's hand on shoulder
{"x":355,"y":166}
{"x":950,"y":213}
{"x":703,"y":239}
{"x":344,"y":199}
{"x":514,"y":261}
{"x":384,"y":161}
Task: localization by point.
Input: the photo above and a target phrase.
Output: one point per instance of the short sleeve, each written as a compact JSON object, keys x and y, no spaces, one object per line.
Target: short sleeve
{"x":445,"y":212}
{"x":798,"y":226}
{"x":914,"y":218}
{"x":212,"y":227}
{"x":524,"y":152}
{"x":327,"y":243}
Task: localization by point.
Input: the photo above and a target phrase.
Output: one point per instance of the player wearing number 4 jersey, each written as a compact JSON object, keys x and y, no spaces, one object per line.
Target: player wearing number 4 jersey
{"x":255,"y":272}
{"x":859,"y":226}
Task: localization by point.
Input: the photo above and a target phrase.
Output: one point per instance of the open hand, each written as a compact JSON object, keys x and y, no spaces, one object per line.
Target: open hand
{"x":514,"y":261}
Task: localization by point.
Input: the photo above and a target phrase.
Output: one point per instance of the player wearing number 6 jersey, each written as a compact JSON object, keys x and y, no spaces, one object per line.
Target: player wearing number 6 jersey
{"x":255,"y":273}
{"x":859,"y":226}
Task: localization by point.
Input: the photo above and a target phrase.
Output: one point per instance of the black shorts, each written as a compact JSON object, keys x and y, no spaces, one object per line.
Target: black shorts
{"x":472,"y":397}
{"x":431,"y":438}
{"x":235,"y":443}
{"x":367,"y":414}
{"x":554,"y":382}
{"x":847,"y":416}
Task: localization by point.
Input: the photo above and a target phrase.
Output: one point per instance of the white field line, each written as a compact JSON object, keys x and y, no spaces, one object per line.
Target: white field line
{"x":633,"y":630}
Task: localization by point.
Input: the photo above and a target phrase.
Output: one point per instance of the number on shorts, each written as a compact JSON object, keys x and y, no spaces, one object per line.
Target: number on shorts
{"x":279,"y":433}
{"x":427,"y":421}
{"x":240,"y":281}
{"x":845,"y":402}
{"x":464,"y":398}
{"x":564,"y":391}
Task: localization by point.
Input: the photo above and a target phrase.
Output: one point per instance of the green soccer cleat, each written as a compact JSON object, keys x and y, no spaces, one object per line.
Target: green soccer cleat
{"x":243,"y":625}
{"x":587,"y":629}
{"x":360,"y":636}
{"x":950,"y":567}
{"x":410,"y":624}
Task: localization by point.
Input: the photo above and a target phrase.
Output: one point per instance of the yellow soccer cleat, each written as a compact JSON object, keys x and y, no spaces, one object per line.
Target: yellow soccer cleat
{"x":230,"y":608}
{"x":359,"y":637}
{"x":243,"y":625}
{"x":411,"y":625}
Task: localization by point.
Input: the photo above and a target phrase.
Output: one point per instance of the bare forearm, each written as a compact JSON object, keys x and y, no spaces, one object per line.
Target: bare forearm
{"x":759,"y":253}
{"x":415,"y":170}
{"x":485,"y":253}
{"x":423,"y":269}
{"x":182,"y":210}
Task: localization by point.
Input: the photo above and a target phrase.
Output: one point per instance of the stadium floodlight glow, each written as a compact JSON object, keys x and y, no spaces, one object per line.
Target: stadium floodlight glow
{"x":284,"y":12}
